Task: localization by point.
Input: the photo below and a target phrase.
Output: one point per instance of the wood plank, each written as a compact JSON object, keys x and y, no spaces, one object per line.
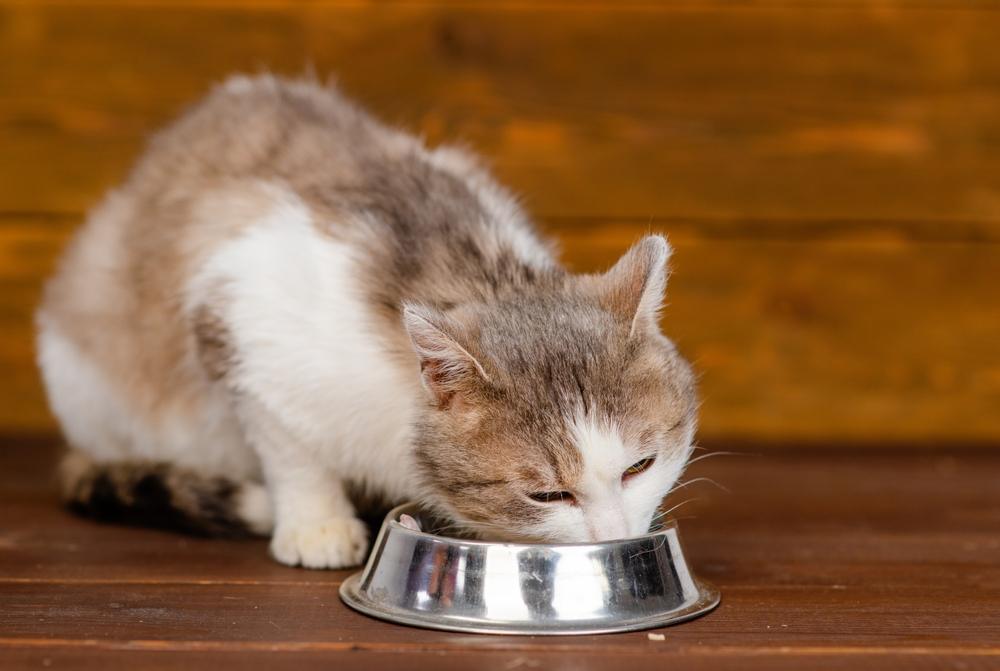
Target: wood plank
{"x":854,"y":337}
{"x":81,"y":551}
{"x":918,"y":661}
{"x":824,"y":561}
{"x":103,"y":658}
{"x":313,"y":617}
{"x":773,"y":111}
{"x":561,"y":5}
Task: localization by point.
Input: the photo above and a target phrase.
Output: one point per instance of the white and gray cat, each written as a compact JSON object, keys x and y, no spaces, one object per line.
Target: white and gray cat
{"x":287,"y":298}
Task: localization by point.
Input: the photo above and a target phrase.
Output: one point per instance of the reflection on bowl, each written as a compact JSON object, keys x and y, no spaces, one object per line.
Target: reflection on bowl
{"x":420,"y":579}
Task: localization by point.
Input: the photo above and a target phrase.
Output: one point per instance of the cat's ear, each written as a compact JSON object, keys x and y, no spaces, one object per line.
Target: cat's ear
{"x":446,"y":367}
{"x":633,"y":288}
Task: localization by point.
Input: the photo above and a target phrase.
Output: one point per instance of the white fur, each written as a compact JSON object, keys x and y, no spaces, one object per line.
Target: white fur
{"x":93,"y":416}
{"x":240,"y":84}
{"x":326,"y":402}
{"x":254,"y":507}
{"x":606,"y":506}
{"x":99,"y":419}
{"x":97,"y":414}
{"x":600,"y":492}
{"x":307,"y":346}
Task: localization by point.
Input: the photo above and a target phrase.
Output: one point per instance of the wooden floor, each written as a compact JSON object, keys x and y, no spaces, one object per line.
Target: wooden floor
{"x":824,"y":561}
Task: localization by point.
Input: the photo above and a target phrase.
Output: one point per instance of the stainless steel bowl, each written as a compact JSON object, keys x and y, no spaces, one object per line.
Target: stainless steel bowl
{"x":424,"y":580}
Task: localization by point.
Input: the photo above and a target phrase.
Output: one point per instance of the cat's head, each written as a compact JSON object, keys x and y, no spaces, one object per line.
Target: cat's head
{"x":562,"y":415}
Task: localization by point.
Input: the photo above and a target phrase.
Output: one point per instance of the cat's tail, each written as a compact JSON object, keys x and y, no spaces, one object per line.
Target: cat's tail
{"x":165,"y":496}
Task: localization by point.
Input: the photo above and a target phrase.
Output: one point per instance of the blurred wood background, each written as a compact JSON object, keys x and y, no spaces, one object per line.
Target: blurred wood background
{"x":828,"y":171}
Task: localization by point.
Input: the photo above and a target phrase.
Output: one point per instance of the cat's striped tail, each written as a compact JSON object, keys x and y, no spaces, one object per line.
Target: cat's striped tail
{"x":165,"y":496}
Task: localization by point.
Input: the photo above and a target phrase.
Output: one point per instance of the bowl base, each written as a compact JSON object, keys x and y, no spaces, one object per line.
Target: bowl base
{"x":351,"y":594}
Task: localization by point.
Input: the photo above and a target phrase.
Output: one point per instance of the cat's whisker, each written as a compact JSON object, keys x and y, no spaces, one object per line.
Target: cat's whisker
{"x":664,"y":513}
{"x":684,"y":517}
{"x":715,"y":454}
{"x":682,"y":485}
{"x":467,"y":527}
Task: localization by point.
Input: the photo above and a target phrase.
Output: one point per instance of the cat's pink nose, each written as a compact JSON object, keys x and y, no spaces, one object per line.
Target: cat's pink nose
{"x":607,"y":525}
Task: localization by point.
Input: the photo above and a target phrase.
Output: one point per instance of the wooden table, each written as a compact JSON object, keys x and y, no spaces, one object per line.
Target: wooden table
{"x":825,"y":560}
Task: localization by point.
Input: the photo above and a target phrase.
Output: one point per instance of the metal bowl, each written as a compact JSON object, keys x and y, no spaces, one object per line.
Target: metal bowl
{"x":424,"y":580}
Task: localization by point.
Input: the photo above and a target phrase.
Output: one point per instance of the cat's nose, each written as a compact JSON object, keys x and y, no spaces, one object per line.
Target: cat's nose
{"x":607,"y":524}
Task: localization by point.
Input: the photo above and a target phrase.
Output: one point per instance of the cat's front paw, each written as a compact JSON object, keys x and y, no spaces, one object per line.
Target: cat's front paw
{"x":337,"y":542}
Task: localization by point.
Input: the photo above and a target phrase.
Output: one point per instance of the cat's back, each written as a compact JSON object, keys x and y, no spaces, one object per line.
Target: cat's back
{"x":113,"y":322}
{"x":280,"y":218}
{"x":265,"y":128}
{"x":419,"y":221}
{"x":205,"y":179}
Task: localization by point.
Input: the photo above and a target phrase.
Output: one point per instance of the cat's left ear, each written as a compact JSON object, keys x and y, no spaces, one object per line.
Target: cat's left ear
{"x":446,"y":366}
{"x":633,"y":289}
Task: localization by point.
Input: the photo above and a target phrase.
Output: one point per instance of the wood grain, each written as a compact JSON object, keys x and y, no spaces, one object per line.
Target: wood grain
{"x":60,"y":654}
{"x":824,"y":561}
{"x":313,"y":617}
{"x":843,"y":338}
{"x":872,"y":111}
{"x":827,"y":171}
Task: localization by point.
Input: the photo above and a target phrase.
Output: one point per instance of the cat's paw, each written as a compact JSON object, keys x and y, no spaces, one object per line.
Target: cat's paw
{"x":337,"y":542}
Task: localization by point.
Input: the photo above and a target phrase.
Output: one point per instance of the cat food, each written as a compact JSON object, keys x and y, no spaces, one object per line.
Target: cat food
{"x":409,"y":522}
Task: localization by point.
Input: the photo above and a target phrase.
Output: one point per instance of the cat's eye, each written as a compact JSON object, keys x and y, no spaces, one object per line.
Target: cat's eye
{"x":638,"y":467}
{"x":552,"y":497}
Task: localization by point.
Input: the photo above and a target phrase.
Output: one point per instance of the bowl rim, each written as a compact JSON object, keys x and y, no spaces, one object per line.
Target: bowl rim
{"x":353,"y":596}
{"x":357,"y":598}
{"x":391,"y":521}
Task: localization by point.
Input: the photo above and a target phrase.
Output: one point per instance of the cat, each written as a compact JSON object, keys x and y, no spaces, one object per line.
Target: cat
{"x":287,"y":299}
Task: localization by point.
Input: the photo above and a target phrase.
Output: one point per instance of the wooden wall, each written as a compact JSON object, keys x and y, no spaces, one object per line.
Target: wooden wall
{"x":828,"y":171}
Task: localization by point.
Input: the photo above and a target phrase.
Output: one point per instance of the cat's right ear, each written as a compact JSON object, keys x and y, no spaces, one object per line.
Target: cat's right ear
{"x":633,"y":288}
{"x":445,"y":365}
